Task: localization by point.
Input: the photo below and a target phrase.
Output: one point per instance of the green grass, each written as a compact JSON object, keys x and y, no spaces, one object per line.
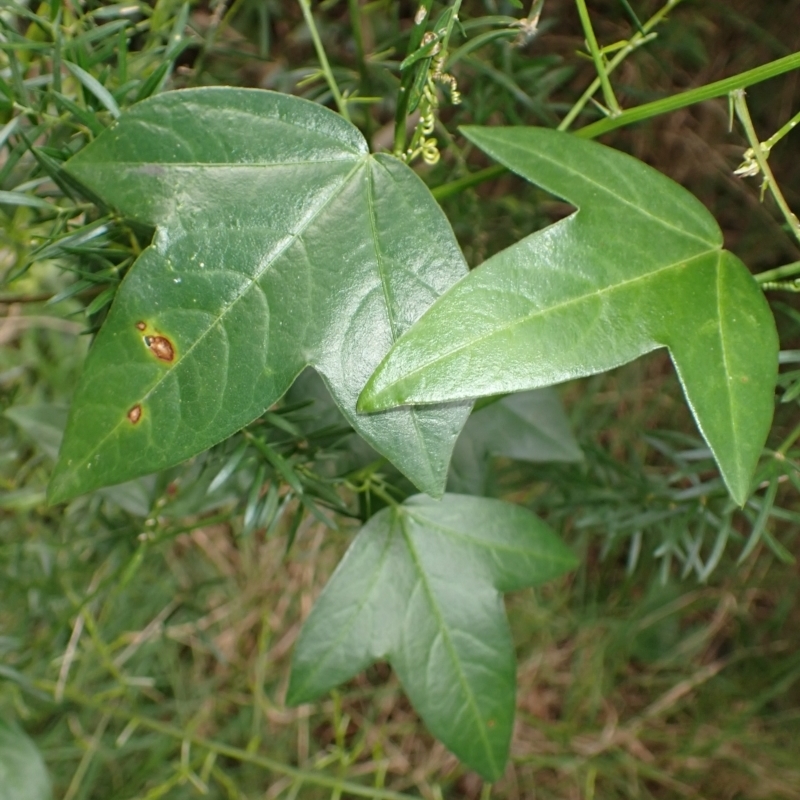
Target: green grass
{"x":145,"y":633}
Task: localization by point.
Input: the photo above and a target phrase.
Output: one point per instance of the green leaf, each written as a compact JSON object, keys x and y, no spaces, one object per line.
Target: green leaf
{"x":421,"y":587}
{"x":23,"y":774}
{"x":280,"y":243}
{"x":529,"y":426}
{"x":639,"y":266}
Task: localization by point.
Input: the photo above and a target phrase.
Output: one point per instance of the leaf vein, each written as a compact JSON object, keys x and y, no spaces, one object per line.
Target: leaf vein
{"x":448,"y":642}
{"x":544,"y":312}
{"x":289,"y":240}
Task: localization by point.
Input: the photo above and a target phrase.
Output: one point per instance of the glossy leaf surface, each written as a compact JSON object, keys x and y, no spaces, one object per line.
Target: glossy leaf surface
{"x":280,"y":243}
{"x":421,"y":587}
{"x":528,"y":426}
{"x":639,"y":266}
{"x":23,"y":774}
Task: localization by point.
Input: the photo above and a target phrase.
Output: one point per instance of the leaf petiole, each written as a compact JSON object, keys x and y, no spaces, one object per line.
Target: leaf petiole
{"x":341,"y":103}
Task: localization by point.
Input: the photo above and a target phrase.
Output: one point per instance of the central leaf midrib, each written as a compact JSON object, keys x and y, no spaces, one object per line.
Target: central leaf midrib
{"x":729,"y":393}
{"x":539,"y":313}
{"x":455,"y":534}
{"x":248,"y":286}
{"x":216,"y":164}
{"x":442,"y":626}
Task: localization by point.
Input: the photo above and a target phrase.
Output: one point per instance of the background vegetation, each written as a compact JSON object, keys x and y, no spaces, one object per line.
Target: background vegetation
{"x":146,"y":630}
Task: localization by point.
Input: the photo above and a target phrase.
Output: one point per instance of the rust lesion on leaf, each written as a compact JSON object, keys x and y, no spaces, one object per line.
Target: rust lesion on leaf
{"x":158,"y":344}
{"x":135,"y":414}
{"x":160,"y":347}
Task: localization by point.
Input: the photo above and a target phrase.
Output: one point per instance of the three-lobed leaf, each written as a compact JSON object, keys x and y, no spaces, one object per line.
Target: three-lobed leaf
{"x":280,"y":243}
{"x":639,"y":266}
{"x":421,"y":587}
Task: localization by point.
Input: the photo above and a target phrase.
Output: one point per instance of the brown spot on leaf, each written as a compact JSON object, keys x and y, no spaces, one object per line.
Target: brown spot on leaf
{"x":160,"y":347}
{"x":135,"y":414}
{"x":141,"y":325}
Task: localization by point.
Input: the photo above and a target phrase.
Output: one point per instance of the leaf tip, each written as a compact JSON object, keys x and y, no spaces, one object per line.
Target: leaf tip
{"x":298,"y":691}
{"x":371,"y":401}
{"x":739,"y":489}
{"x":294,"y":697}
{"x":59,"y":489}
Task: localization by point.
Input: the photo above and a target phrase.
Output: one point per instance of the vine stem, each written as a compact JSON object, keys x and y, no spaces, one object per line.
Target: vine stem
{"x":708,"y":92}
{"x":636,"y":41}
{"x":341,"y":103}
{"x":742,"y":112}
{"x":418,"y":135}
{"x":403,"y":93}
{"x":779,"y":134}
{"x":316,"y":778}
{"x":781,"y":452}
{"x":779,"y":273}
{"x":597,"y":57}
{"x":357,"y":24}
{"x":717,"y":89}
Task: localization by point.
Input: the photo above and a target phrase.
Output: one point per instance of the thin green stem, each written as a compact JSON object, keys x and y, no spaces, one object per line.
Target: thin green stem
{"x":779,"y":273}
{"x":357,"y":23}
{"x":407,"y":79}
{"x":692,"y":96}
{"x":216,"y":29}
{"x":312,"y":777}
{"x":597,"y":57}
{"x":740,"y":104}
{"x":229,"y":15}
{"x":646,"y":111}
{"x":636,"y":41}
{"x":379,"y":490}
{"x":788,"y":442}
{"x":341,"y":104}
{"x":781,"y":132}
{"x":634,"y":18}
{"x":427,"y":106}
